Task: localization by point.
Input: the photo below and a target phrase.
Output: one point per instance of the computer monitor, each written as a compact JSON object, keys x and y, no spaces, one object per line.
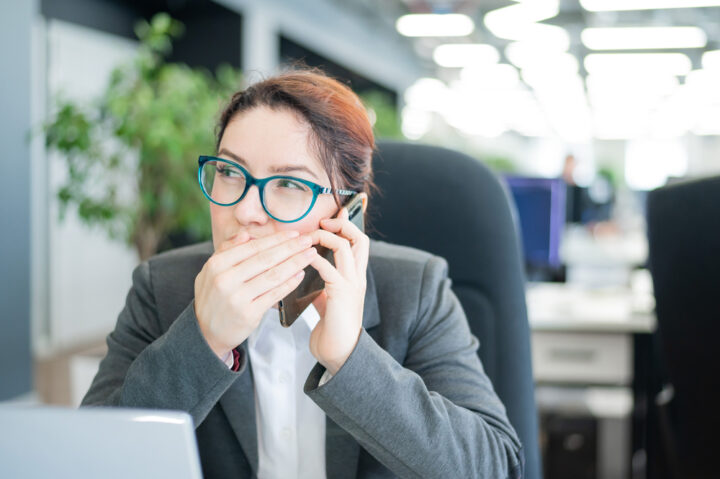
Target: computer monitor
{"x":44,"y":442}
{"x":541,"y":212}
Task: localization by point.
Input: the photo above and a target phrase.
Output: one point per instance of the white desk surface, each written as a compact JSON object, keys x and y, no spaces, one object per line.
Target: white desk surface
{"x":563,"y":307}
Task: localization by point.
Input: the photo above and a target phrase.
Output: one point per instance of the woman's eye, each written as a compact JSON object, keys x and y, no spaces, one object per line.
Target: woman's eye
{"x":285,"y":183}
{"x":229,"y":171}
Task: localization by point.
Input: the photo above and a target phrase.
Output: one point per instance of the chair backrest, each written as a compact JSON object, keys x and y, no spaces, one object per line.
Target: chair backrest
{"x":684,"y":241}
{"x":451,"y":205}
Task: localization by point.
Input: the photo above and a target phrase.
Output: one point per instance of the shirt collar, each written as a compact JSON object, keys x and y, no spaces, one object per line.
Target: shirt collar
{"x":308,"y":318}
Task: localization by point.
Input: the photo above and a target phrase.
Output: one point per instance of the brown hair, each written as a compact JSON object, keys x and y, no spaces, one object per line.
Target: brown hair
{"x":341,"y":133}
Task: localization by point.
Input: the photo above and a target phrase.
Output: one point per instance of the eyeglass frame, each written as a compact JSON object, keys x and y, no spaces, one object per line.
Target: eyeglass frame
{"x":261,"y":182}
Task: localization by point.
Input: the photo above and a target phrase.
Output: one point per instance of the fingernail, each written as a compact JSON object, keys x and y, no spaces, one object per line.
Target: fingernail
{"x":292,"y":234}
{"x":311,"y":252}
{"x":306,"y":241}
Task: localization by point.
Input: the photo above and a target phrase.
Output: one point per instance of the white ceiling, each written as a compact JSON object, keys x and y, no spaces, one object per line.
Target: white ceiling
{"x":568,"y":108}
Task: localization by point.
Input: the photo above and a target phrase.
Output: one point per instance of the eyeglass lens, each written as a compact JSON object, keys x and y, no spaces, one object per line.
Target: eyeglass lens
{"x":284,"y":198}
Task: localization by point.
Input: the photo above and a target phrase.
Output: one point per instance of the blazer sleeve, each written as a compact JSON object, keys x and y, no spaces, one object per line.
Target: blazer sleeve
{"x":149,"y":366}
{"x":437,"y":414}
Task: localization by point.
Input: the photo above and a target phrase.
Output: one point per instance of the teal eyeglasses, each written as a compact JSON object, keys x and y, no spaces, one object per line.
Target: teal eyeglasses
{"x":284,"y":198}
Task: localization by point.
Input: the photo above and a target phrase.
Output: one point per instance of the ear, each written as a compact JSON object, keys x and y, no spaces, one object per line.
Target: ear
{"x":364,"y":197}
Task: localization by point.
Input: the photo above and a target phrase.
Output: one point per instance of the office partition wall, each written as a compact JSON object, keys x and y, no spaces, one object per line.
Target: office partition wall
{"x":16,"y":19}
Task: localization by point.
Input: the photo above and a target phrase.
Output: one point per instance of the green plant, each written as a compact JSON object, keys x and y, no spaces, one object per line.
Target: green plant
{"x":146,"y":131}
{"x":499,"y":164}
{"x":382,"y":109}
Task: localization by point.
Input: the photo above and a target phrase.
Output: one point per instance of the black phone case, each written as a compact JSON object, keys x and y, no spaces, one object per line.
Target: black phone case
{"x":312,"y":284}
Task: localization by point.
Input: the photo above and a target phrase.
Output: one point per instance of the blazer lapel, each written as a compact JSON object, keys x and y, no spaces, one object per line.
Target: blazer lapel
{"x":341,"y":449}
{"x":238,"y":402}
{"x":371,"y":310}
{"x":341,"y":452}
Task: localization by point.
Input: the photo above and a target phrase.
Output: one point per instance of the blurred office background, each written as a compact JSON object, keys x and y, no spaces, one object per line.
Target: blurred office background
{"x":581,"y":107}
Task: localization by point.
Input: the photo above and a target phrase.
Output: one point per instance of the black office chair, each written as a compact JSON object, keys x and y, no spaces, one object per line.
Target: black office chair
{"x":684,"y":239}
{"x":451,"y":205}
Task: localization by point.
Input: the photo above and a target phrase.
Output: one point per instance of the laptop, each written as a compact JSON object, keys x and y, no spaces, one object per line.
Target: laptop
{"x":44,"y":442}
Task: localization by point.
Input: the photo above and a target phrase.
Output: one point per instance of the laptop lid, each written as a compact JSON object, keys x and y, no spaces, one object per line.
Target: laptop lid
{"x":45,"y":442}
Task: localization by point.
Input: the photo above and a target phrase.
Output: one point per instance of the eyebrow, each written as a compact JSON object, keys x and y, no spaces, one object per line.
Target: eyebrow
{"x":273,"y":169}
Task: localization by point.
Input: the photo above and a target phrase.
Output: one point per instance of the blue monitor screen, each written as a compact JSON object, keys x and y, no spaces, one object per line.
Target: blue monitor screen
{"x":541,"y":212}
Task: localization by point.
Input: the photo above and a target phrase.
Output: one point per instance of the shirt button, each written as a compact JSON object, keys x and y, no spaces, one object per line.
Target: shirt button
{"x":284,"y":377}
{"x":286,"y":433}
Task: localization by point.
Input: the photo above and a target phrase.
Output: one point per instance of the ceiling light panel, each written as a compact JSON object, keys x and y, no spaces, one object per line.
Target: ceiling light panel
{"x":711,"y":60}
{"x":640,"y":38}
{"x":623,"y":5}
{"x":631,"y":63}
{"x":520,"y":22}
{"x":459,"y":55}
{"x":435,"y":25}
{"x":500,"y":76}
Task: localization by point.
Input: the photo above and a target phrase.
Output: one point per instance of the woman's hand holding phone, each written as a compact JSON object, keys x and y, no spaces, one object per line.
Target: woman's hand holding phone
{"x":242,"y":280}
{"x":341,"y":304}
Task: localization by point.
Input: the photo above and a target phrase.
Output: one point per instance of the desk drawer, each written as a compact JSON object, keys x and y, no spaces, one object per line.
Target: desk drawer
{"x":597,"y":358}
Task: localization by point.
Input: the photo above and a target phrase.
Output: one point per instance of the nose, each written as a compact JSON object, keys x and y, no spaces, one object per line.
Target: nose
{"x":249,"y":210}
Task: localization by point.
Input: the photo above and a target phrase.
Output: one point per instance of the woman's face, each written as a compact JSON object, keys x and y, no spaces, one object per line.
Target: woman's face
{"x":268,"y":142}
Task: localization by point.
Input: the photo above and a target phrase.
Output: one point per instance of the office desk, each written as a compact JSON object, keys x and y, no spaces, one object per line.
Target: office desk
{"x":592,"y":355}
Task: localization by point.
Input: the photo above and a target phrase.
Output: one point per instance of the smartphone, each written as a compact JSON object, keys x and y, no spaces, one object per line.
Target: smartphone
{"x":292,"y":306}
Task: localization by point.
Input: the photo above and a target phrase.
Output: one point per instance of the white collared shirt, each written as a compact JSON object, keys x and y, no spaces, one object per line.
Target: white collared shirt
{"x":290,"y":426}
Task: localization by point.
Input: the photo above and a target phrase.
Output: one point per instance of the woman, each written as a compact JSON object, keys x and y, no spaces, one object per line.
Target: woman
{"x":379,"y":376}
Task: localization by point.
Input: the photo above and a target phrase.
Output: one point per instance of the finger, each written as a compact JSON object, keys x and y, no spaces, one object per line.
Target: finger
{"x":344,"y":259}
{"x":270,"y":298}
{"x":271,"y":257}
{"x":343,"y":227}
{"x":237,"y":253}
{"x":277,"y":275}
{"x":359,"y":241}
{"x":240,"y":238}
{"x":327,"y":271}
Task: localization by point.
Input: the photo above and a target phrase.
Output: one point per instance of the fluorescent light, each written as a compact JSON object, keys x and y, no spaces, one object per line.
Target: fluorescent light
{"x":493,"y":77}
{"x":672,"y":118}
{"x":708,"y":121}
{"x":415,"y":123}
{"x":565,"y":106}
{"x":638,"y":38}
{"x":711,"y":60}
{"x":549,"y":36}
{"x":551,"y":70}
{"x":649,"y":163}
{"x":702,"y":86}
{"x":619,"y":91}
{"x":619,"y":124}
{"x":623,"y":63}
{"x":429,"y":94}
{"x":463,"y":54}
{"x":619,"y":5}
{"x":523,"y":114}
{"x":527,"y":54}
{"x":435,"y":25}
{"x":511,"y":22}
{"x":473,"y":121}
{"x":659,"y":84}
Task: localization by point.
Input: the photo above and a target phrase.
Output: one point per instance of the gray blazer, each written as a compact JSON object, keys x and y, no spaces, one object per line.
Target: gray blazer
{"x":412,"y":400}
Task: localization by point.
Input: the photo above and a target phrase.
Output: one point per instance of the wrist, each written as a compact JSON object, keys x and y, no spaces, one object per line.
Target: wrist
{"x":333,"y":365}
{"x":221,"y":351}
